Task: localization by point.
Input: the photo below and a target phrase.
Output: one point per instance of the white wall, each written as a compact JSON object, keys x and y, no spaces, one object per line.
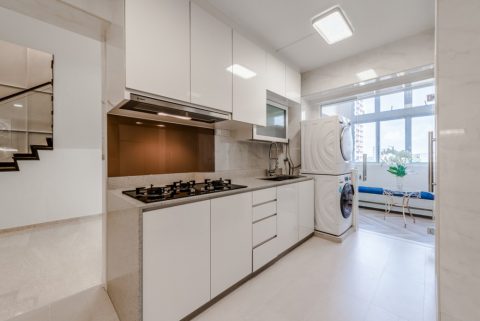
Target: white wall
{"x":399,"y":56}
{"x":458,"y":150}
{"x":66,"y":182}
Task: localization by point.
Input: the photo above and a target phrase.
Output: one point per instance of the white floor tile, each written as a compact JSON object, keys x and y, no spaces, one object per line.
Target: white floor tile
{"x":367,"y":278}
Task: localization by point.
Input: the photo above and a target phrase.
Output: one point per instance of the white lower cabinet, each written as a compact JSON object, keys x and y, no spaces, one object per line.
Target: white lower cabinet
{"x":194,"y":252}
{"x":305,"y":209}
{"x":176,"y":261}
{"x":231,"y":243}
{"x":287,"y":216}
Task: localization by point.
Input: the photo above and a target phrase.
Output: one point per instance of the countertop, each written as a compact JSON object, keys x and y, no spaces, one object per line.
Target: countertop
{"x":252,"y":184}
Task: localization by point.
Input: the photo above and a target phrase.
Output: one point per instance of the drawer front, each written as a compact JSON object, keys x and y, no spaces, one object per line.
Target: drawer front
{"x":264,"y":230}
{"x":265,"y":253}
{"x":264,"y":195}
{"x":264,"y":210}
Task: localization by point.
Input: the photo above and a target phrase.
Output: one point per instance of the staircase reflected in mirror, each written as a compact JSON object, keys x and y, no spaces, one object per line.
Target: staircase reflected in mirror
{"x":26,"y":104}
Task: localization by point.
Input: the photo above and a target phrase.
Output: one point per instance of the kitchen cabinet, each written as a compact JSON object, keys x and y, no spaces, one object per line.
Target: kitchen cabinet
{"x":231,"y":241}
{"x":276,"y":70}
{"x":293,"y":85}
{"x":287,"y":216}
{"x":211,"y":55}
{"x":157,"y":47}
{"x":249,"y":82}
{"x":176,"y":261}
{"x":305,"y":209}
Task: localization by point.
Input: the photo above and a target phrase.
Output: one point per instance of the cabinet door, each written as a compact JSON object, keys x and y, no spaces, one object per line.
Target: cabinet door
{"x":305,"y":209}
{"x":249,"y":82}
{"x":211,"y":56}
{"x":275,"y":75}
{"x":293,"y":85}
{"x":231,"y":240}
{"x":157,"y":45}
{"x":287,"y":216}
{"x":176,"y":261}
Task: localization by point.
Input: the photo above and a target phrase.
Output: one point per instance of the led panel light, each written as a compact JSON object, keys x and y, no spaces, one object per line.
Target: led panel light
{"x":333,"y":25}
{"x":367,"y":74}
{"x":241,"y":71}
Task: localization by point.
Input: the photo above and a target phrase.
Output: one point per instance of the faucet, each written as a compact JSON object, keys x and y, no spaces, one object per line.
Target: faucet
{"x":273,"y":158}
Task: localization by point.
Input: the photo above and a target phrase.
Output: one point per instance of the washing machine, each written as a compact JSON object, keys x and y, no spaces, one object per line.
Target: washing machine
{"x":327,"y":146}
{"x":334,"y":203}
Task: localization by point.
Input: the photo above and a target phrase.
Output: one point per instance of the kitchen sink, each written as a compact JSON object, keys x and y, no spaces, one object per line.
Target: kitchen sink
{"x":281,"y":177}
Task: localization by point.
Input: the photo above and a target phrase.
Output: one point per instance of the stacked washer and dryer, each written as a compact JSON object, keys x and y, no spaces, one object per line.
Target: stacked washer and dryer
{"x":326,"y":155}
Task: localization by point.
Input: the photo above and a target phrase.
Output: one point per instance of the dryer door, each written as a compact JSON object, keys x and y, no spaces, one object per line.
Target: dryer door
{"x":346,"y":142}
{"x":346,"y":200}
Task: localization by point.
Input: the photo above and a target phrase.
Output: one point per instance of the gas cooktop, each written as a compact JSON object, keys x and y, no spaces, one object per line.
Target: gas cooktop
{"x":181,"y":189}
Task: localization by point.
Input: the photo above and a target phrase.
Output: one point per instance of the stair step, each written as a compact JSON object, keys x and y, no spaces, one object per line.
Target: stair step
{"x":41,"y":147}
{"x":8,"y":166}
{"x":25,"y":157}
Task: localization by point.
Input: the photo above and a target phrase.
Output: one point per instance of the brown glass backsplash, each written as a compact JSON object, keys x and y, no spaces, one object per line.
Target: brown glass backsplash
{"x":141,"y":147}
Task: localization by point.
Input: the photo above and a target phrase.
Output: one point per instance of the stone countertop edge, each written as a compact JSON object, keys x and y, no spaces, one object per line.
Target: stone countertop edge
{"x":253,"y":184}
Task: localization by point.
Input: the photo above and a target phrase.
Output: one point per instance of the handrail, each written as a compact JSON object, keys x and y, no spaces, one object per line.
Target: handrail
{"x":24,"y":91}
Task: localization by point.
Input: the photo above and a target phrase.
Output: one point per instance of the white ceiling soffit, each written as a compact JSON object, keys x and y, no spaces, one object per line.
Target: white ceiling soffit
{"x":285,"y":25}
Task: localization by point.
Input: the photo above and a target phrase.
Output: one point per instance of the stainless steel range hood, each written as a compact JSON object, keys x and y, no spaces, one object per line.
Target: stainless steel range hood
{"x":170,"y":108}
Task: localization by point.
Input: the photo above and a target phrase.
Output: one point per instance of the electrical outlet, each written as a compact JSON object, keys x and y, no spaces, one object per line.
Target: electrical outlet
{"x":431,"y":230}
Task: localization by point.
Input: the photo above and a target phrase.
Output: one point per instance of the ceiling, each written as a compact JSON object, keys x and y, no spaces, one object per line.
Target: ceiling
{"x":284,"y":25}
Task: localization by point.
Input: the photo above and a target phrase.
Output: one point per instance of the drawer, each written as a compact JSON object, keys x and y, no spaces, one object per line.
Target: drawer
{"x":264,"y":195}
{"x":264,"y":230}
{"x":265,"y":253}
{"x":264,"y":210}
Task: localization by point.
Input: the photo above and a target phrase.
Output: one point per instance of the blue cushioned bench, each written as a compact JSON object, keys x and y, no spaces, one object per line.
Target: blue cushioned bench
{"x":380,"y":191}
{"x":389,"y":198}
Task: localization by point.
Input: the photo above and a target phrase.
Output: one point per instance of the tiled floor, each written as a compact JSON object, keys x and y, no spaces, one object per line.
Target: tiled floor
{"x":369,"y":277}
{"x":46,"y":263}
{"x":393,"y":225}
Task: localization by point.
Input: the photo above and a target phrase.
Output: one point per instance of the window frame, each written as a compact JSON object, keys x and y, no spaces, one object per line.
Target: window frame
{"x":407,"y":113}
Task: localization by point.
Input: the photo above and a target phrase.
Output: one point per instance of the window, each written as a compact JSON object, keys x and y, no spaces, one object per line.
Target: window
{"x":365,"y":141}
{"x":423,"y":96}
{"x":398,"y":117}
{"x":392,"y":101}
{"x":392,"y":134}
{"x":365,"y":106}
{"x":420,"y":128}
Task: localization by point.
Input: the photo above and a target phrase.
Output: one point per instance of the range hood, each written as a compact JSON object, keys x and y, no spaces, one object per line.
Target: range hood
{"x":167,"y":108}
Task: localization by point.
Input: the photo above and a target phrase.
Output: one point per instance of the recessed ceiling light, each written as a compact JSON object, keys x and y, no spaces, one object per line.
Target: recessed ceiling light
{"x":18,"y":105}
{"x":241,"y":71}
{"x":175,"y":116}
{"x":139,"y":123}
{"x":367,"y":74}
{"x":333,"y":25}
{"x":160,"y":125}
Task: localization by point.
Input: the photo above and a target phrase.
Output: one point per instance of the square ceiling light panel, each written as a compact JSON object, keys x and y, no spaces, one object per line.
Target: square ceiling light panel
{"x":333,"y":25}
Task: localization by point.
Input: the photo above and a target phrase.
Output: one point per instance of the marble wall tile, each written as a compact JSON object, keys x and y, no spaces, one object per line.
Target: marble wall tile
{"x":46,"y":263}
{"x":458,"y":158}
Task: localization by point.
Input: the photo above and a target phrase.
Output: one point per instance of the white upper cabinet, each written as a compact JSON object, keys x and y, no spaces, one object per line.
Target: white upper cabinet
{"x":275,"y":75}
{"x":157,"y":45}
{"x":293,"y":85}
{"x":249,"y":82}
{"x":211,"y":56}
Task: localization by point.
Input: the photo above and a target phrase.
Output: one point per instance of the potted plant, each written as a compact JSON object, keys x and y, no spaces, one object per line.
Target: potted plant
{"x":397,"y":163}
